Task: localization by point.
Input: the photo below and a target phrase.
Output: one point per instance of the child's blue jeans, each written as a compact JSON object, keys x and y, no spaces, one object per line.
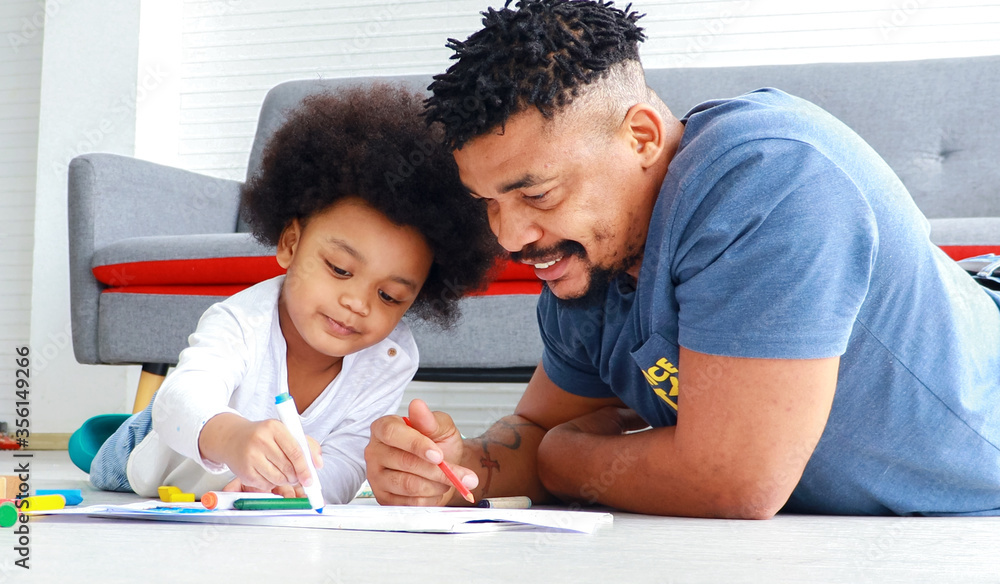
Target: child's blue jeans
{"x":108,"y":470}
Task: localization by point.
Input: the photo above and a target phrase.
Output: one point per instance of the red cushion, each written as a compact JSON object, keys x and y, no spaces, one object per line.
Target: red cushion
{"x":189,"y":272}
{"x":227,"y":276}
{"x":519,"y":287}
{"x":517,"y":271}
{"x":207,"y":290}
{"x":960,"y":252}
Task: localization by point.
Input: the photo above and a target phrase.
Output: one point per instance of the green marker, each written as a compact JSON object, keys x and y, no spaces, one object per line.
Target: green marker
{"x":271,"y":504}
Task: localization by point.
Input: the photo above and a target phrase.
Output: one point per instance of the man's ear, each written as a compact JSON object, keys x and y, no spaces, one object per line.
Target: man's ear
{"x":288,"y":243}
{"x":646,"y":133}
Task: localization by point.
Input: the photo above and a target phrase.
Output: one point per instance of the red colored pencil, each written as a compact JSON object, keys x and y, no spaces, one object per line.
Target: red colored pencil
{"x":466,"y":494}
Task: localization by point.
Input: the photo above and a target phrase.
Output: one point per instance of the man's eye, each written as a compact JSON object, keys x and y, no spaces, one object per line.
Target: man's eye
{"x":536,"y":197}
{"x":340,"y":272}
{"x":387,"y":298}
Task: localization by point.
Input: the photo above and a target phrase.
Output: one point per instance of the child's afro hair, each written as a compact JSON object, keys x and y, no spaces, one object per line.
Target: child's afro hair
{"x":539,"y":55}
{"x":371,"y":142}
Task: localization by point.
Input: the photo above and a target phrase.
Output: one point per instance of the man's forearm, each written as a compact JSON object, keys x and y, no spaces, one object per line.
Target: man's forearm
{"x":644,"y":473}
{"x":505,"y":458}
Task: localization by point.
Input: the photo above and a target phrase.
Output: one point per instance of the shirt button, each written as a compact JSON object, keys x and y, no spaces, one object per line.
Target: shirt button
{"x":391,"y":352}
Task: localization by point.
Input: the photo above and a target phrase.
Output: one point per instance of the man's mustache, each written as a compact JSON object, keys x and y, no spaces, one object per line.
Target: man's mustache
{"x":532,"y":254}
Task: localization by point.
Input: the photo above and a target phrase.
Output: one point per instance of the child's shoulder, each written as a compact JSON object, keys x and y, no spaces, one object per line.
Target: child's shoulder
{"x":260,"y":295}
{"x":251,"y":307}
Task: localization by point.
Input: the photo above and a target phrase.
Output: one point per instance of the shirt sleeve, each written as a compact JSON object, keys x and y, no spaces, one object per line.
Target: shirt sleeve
{"x":200,"y":387}
{"x":776,"y":256}
{"x":571,"y":348}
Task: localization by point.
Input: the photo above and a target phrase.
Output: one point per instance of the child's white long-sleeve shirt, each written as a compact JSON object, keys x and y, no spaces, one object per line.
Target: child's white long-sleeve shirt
{"x":236,"y":362}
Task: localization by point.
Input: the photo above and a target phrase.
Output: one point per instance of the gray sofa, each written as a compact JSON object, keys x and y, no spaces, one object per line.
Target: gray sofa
{"x":932,"y":121}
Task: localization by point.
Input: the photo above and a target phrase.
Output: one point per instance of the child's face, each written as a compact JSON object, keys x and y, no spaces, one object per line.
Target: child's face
{"x":352,"y":274}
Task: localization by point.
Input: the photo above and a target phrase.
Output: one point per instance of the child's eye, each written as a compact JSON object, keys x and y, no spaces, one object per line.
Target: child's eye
{"x":386,"y":298}
{"x":340,"y":272}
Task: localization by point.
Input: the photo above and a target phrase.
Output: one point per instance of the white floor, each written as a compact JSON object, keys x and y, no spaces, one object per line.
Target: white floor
{"x":634,"y":549}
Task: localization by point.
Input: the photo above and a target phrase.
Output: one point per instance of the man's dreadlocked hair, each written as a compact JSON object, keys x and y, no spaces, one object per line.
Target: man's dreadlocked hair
{"x":538,"y":55}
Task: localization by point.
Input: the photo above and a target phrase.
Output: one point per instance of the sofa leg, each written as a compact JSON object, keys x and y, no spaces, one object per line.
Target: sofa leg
{"x":149,"y":381}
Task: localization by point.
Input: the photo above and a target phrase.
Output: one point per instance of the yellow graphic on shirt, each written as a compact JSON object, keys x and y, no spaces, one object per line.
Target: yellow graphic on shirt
{"x":658,"y":375}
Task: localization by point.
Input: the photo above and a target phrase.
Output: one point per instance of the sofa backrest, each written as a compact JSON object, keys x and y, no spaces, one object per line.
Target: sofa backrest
{"x":932,"y":120}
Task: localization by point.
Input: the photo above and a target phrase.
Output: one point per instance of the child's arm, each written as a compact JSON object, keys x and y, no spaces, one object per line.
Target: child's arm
{"x":192,"y":413}
{"x":201,"y":386}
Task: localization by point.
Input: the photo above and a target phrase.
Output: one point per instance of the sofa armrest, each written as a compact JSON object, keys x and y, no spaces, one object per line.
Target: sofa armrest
{"x":113,"y":197}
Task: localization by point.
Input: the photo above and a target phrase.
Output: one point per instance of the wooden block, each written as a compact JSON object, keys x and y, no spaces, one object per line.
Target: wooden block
{"x":10,"y":486}
{"x":166,"y":493}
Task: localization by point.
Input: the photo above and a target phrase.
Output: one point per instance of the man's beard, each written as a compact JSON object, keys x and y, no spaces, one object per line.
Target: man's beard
{"x":599,"y":277}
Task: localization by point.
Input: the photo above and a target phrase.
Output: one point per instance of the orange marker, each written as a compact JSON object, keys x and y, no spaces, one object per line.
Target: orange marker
{"x":451,"y":475}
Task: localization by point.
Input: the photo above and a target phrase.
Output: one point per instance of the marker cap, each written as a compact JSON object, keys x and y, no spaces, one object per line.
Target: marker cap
{"x":8,"y":514}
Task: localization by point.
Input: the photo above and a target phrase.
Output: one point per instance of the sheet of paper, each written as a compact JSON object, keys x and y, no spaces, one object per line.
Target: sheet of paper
{"x":358,"y":517}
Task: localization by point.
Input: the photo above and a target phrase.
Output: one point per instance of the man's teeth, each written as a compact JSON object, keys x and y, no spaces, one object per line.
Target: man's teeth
{"x":547,"y":264}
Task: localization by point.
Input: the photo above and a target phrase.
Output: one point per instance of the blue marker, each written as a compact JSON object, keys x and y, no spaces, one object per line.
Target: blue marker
{"x":289,"y":416}
{"x":72,"y":496}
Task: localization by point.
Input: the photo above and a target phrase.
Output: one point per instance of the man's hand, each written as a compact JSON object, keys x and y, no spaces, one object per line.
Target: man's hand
{"x":263,"y":455}
{"x":403,"y":460}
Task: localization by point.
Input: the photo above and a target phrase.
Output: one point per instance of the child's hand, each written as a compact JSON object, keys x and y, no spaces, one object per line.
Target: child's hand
{"x":263,"y":455}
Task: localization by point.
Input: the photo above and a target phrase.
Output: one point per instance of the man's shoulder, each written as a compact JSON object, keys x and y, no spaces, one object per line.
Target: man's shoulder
{"x":766,"y":114}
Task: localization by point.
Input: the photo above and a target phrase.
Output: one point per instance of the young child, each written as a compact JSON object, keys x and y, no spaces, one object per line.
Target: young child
{"x":370,"y":219}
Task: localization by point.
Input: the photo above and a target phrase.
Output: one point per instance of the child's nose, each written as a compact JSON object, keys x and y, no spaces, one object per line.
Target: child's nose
{"x":354,"y":302}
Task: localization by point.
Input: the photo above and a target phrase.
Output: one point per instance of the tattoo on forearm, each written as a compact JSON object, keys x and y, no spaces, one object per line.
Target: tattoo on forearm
{"x":504,"y":433}
{"x":489,"y":464}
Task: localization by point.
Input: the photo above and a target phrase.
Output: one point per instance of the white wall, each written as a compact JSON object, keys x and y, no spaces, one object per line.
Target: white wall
{"x":89,"y":79}
{"x":215,"y":59}
{"x":20,"y":72}
{"x":703,"y":33}
{"x":234,"y":51}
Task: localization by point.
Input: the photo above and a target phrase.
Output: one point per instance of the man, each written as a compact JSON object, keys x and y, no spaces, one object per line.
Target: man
{"x":752,"y":281}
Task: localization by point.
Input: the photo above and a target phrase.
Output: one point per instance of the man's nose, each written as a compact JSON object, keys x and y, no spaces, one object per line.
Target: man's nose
{"x":514,"y":226}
